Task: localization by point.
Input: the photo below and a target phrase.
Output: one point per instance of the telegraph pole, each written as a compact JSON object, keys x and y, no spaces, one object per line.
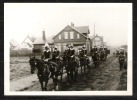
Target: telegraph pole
{"x":94,"y":34}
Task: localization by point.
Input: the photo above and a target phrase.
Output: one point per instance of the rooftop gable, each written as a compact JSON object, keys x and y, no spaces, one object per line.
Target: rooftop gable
{"x":76,"y":29}
{"x":29,"y":39}
{"x":39,"y":40}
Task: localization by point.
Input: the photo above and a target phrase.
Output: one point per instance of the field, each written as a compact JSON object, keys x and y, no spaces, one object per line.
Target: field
{"x":19,"y":67}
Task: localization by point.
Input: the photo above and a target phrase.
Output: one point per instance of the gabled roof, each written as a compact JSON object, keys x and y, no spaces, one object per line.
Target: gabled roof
{"x":92,"y":37}
{"x":49,"y":40}
{"x":39,"y":40}
{"x":80,"y":30}
{"x":32,"y":39}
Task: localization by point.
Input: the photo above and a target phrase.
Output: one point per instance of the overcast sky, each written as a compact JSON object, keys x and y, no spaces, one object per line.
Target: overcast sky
{"x":111,"y":22}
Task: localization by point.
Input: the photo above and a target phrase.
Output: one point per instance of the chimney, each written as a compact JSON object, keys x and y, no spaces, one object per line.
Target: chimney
{"x":72,"y":24}
{"x":43,"y":35}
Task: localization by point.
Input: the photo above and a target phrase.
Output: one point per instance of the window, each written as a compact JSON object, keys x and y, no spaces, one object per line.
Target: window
{"x":71,"y":35}
{"x":66,"y":35}
{"x":59,"y":37}
{"x":77,"y":36}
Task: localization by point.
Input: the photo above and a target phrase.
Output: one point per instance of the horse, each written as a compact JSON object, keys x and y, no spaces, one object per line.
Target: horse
{"x":46,"y":69}
{"x":96,"y":59}
{"x":59,"y":63}
{"x":73,"y":65}
{"x":43,"y":71}
{"x":102,"y":56}
{"x":84,"y":62}
{"x":65,"y":65}
{"x":107,"y":52}
{"x":55,"y":63}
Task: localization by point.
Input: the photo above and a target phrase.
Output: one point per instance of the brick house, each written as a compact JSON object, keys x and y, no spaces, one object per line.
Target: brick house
{"x":78,"y":36}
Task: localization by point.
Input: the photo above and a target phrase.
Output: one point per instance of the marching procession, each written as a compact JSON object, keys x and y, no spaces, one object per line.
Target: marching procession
{"x":52,"y":64}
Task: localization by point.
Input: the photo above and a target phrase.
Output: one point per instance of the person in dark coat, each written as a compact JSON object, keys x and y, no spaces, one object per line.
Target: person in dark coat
{"x":71,"y":53}
{"x":48,"y":60}
{"x":84,"y":50}
{"x":83,"y":54}
{"x":55,"y":54}
{"x":101,"y":48}
{"x":121,"y":60}
{"x":66,"y":52}
{"x":47,"y":52}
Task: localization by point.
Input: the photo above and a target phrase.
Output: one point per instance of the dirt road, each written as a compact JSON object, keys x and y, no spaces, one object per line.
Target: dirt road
{"x":107,"y":77}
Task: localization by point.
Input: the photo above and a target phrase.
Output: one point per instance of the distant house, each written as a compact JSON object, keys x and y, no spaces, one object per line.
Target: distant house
{"x":13,"y":44}
{"x":23,"y":46}
{"x":23,"y":49}
{"x":97,"y":41}
{"x":78,"y":36}
{"x":40,"y":42}
{"x":28,"y":41}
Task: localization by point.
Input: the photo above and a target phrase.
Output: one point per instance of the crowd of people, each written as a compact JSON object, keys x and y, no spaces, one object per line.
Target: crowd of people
{"x":51,"y":64}
{"x":96,"y":53}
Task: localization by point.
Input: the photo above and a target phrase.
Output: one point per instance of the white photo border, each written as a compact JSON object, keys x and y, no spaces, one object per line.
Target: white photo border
{"x":74,"y":93}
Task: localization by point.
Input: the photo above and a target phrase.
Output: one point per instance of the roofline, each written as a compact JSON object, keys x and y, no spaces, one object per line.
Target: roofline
{"x":84,"y":26}
{"x":73,"y":28}
{"x":26,"y":38}
{"x":78,"y":31}
{"x":59,"y":32}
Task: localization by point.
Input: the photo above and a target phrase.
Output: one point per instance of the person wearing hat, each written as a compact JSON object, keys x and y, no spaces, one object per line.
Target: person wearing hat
{"x":84,"y":50}
{"x":79,"y":52}
{"x":67,"y":51}
{"x":101,"y":48}
{"x":72,"y":52}
{"x":47,"y":52}
{"x":55,"y":54}
{"x":122,"y":52}
{"x":83,"y":53}
{"x":95,"y":48}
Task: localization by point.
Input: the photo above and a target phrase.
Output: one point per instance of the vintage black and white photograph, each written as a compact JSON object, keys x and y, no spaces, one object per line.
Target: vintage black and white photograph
{"x":68,"y":49}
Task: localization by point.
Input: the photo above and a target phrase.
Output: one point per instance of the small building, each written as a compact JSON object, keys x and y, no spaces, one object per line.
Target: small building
{"x":78,"y":36}
{"x":28,"y":41}
{"x":97,"y":41}
{"x":40,"y":42}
